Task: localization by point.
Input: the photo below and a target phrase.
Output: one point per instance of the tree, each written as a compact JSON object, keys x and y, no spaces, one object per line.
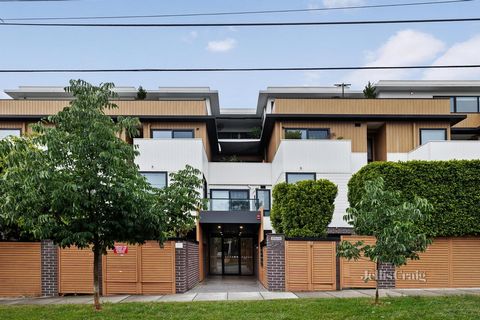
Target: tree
{"x":370,"y":91}
{"x":393,"y":223}
{"x":76,"y":182}
{"x":303,"y":209}
{"x":181,"y":199}
{"x":141,"y":93}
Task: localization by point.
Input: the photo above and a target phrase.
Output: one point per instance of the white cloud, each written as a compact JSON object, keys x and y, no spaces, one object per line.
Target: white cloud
{"x":406,"y":47}
{"x":222,"y":45}
{"x":466,"y":52}
{"x":342,"y":3}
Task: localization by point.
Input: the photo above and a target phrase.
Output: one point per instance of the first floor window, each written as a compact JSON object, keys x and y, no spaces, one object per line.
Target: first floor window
{"x":230,"y":200}
{"x":4,"y":133}
{"x":172,"y":134}
{"x":156,"y":179}
{"x":304,"y":134}
{"x":466,"y":104}
{"x":427,"y":135}
{"x":295,"y":177}
{"x":263,"y":196}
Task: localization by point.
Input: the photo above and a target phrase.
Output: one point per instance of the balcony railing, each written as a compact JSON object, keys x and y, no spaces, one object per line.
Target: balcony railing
{"x":233,"y":204}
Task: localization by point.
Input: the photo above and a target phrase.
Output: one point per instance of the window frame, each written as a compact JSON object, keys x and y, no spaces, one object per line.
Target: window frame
{"x":431,"y":129}
{"x":10,"y":129}
{"x":229,"y":192}
{"x":172,"y":133}
{"x":166,"y":176}
{"x":289,"y":173}
{"x":265,"y":213}
{"x":308,"y":132}
{"x":455,"y":110}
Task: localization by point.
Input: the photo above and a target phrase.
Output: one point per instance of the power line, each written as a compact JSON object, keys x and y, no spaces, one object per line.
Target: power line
{"x":199,"y":14}
{"x":239,"y":24}
{"x":238,"y":69}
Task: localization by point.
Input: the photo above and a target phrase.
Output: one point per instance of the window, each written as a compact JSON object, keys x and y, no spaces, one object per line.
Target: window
{"x":156,"y":179}
{"x":295,"y":177}
{"x":427,"y":135}
{"x":464,"y":104}
{"x":307,"y":134}
{"x":172,"y":134}
{"x":9,"y":132}
{"x":263,"y":196}
{"x":229,"y":200}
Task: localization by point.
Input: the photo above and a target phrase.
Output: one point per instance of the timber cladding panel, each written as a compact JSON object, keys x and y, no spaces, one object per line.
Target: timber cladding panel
{"x":405,"y":136}
{"x":362,"y":106}
{"x":75,"y":267}
{"x":20,"y":269}
{"x":132,"y":108}
{"x":310,"y":265}
{"x":352,"y":273}
{"x":472,"y":121}
{"x":447,"y":263}
{"x":146,"y":269}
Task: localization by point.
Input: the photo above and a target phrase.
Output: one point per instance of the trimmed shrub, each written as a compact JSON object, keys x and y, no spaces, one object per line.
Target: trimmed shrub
{"x":452,"y":187}
{"x":303,"y":209}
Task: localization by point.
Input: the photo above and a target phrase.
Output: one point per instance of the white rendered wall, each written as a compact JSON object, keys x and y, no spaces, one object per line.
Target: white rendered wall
{"x":397,"y":156}
{"x":447,"y":150}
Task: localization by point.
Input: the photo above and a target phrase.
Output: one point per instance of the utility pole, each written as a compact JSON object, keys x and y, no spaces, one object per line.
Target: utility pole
{"x":343,"y":85}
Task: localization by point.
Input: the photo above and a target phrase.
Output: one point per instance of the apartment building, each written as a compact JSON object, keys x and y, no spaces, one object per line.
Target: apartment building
{"x":293,"y":134}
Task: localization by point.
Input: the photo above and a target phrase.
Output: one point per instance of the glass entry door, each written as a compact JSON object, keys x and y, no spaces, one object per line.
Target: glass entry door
{"x":231,"y":255}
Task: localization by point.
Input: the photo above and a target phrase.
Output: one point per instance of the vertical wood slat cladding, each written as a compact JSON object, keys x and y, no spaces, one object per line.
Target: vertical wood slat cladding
{"x":147,"y":269}
{"x":20,"y":269}
{"x":472,"y":121}
{"x":132,"y":108}
{"x":352,"y":272}
{"x":310,"y":265}
{"x":405,"y":136}
{"x":75,"y":267}
{"x":362,"y":106}
{"x":380,"y":144}
{"x":447,"y":263}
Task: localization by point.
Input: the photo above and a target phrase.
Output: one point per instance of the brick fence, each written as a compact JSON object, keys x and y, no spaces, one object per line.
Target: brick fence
{"x":187,"y":265}
{"x":276,"y":262}
{"x":49,"y":260}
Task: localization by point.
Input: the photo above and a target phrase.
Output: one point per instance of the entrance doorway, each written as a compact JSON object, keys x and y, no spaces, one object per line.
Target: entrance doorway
{"x":231,"y":255}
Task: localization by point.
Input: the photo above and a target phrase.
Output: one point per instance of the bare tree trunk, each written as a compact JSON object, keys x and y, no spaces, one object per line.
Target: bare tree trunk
{"x":97,"y":259}
{"x":376,"y":285}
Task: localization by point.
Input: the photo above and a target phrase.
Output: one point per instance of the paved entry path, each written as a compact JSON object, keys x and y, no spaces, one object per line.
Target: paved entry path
{"x":229,"y":284}
{"x":235,"y":295}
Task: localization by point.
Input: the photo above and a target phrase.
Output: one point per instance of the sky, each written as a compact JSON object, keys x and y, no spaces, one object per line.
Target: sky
{"x":196,"y":47}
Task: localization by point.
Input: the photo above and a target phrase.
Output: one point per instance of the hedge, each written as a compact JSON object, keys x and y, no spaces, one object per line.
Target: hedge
{"x":303,"y":209}
{"x":452,"y":187}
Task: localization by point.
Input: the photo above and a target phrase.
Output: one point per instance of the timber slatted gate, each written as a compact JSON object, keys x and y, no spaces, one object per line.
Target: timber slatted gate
{"x":447,"y":263}
{"x":352,"y":273}
{"x":20,"y":269}
{"x":147,"y":269}
{"x":310,"y":265}
{"x":75,"y":267}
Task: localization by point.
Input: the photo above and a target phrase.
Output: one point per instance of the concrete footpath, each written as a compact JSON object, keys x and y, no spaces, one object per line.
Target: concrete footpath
{"x":237,"y":296}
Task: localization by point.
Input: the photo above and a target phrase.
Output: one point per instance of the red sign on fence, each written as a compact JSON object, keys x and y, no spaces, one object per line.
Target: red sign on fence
{"x":121,"y":250}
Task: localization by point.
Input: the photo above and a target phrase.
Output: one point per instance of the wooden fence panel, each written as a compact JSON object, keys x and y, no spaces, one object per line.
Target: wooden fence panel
{"x":465,"y":269}
{"x":352,"y":273}
{"x":147,"y":269}
{"x":20,"y":269}
{"x":310,"y":265}
{"x":75,"y":268}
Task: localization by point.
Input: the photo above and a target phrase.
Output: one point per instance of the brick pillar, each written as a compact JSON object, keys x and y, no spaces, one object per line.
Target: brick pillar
{"x":386,"y":276}
{"x":49,"y":259}
{"x":276,"y":262}
{"x":187,"y":266}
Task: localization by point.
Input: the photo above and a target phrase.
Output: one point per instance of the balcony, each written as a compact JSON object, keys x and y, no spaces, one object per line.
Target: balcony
{"x":446,"y":150}
{"x":232,"y":205}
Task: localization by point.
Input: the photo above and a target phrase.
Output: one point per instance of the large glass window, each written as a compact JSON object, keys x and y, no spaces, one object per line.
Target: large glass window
{"x":229,"y":200}
{"x":307,"y":133}
{"x":295,"y":177}
{"x":466,"y":104}
{"x":9,"y":132}
{"x":427,"y":135}
{"x":172,"y":134}
{"x":156,"y":179}
{"x":263,"y":196}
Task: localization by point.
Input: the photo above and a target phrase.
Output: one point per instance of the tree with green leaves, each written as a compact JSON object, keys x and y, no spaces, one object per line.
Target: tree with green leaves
{"x":75,"y":182}
{"x":370,"y":91}
{"x":303,"y":209}
{"x":141,"y":93}
{"x":180,"y":200}
{"x":394,"y":223}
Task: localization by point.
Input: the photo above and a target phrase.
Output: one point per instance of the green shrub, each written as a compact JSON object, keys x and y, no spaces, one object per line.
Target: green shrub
{"x":303,"y":209}
{"x":452,"y":187}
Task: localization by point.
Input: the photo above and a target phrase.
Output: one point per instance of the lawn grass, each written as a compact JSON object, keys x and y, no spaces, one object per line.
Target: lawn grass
{"x":458,"y":307}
